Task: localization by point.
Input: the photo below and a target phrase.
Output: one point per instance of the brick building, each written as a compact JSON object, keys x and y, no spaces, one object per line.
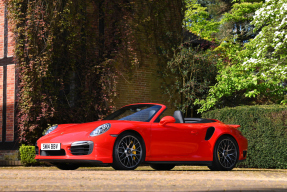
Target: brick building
{"x":8,"y":137}
{"x":7,"y":84}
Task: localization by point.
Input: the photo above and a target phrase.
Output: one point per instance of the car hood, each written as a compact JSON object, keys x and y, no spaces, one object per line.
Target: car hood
{"x":82,"y":131}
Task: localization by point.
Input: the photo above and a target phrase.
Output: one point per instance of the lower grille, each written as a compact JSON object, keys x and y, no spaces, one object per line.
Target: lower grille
{"x":82,"y":147}
{"x":53,"y":153}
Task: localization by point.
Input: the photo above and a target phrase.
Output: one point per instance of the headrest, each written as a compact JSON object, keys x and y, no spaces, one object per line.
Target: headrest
{"x":178,"y":116}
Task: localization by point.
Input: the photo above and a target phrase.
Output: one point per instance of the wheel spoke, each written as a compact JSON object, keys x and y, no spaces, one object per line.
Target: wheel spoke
{"x":123,"y":159}
{"x":231,"y":160}
{"x":233,"y":154}
{"x":135,"y":156}
{"x":227,"y":160}
{"x":125,"y":143}
{"x":122,"y":155}
{"x":132,"y":161}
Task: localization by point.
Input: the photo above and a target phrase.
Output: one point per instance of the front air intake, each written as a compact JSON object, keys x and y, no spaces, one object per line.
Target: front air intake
{"x":82,"y":147}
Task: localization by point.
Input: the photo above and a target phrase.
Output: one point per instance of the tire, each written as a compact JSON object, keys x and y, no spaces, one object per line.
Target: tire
{"x":162,"y":167}
{"x":129,"y":151}
{"x":67,"y":166}
{"x":225,"y":154}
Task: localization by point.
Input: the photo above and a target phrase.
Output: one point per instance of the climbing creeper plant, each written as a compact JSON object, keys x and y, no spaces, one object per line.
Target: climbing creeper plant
{"x":60,"y":79}
{"x":68,"y":54}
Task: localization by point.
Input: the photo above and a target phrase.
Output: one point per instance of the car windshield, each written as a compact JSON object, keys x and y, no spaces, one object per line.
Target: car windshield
{"x":141,"y":112}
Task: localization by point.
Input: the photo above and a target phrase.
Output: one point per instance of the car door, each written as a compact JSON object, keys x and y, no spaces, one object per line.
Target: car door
{"x":174,"y":141}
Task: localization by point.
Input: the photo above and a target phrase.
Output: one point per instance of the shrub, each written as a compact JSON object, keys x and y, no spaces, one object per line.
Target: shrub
{"x":27,"y":154}
{"x":265,"y":127}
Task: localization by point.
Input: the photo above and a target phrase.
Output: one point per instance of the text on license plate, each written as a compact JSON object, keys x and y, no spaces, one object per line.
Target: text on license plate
{"x":50,"y":146}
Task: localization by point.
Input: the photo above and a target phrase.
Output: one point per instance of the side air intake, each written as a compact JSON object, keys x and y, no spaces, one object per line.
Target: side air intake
{"x":209,"y":133}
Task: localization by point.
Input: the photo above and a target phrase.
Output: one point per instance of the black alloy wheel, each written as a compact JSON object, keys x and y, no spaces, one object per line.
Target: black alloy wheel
{"x":162,"y":167}
{"x":129,"y":151}
{"x":225,"y":154}
{"x":67,"y":166}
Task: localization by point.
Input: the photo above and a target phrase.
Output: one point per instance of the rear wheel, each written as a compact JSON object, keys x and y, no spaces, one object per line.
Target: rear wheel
{"x":162,"y":167}
{"x":225,"y":154}
{"x":129,"y":151}
{"x":67,"y":166}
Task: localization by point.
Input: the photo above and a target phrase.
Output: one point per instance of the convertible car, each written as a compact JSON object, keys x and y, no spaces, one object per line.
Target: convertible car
{"x":136,"y":134}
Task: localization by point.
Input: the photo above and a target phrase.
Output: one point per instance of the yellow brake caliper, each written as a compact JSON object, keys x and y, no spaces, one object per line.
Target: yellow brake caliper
{"x":134,"y":152}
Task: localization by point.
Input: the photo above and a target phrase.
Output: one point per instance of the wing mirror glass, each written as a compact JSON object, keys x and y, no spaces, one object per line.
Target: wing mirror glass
{"x":167,"y":119}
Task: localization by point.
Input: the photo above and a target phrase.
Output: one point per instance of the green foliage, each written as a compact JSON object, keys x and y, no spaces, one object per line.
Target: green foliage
{"x":253,"y":72}
{"x":265,"y":127}
{"x":241,"y":12}
{"x":257,"y":70}
{"x":266,"y":54}
{"x":198,"y":21}
{"x":217,"y":8}
{"x":192,"y":72}
{"x":238,"y":19}
{"x":27,"y":154}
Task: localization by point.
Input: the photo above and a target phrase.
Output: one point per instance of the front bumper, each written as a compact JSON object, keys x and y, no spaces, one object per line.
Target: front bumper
{"x":100,"y":151}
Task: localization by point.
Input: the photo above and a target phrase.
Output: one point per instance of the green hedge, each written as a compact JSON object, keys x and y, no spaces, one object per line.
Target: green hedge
{"x":27,"y":154}
{"x":265,"y":127}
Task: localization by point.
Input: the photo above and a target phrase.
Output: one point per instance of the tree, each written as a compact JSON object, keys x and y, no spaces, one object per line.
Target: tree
{"x":198,"y":21}
{"x":260,"y":68}
{"x":192,"y":71}
{"x":236,"y":23}
{"x":192,"y":67}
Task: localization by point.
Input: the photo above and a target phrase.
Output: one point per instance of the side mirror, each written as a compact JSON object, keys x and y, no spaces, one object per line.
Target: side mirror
{"x":167,"y":119}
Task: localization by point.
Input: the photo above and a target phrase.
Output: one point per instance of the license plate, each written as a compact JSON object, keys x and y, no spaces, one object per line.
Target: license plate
{"x":50,"y":146}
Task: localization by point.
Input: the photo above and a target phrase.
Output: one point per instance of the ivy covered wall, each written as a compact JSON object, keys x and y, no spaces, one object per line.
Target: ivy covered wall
{"x":156,"y":31}
{"x":78,"y":60}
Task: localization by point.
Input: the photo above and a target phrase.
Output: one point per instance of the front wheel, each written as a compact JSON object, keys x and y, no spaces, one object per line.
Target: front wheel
{"x":225,"y":154}
{"x":129,"y":151}
{"x":162,"y":167}
{"x":67,"y":166}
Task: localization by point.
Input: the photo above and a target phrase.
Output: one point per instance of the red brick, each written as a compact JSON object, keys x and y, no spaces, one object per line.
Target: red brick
{"x":2,"y":9}
{"x":1,"y":96}
{"x":10,"y":102}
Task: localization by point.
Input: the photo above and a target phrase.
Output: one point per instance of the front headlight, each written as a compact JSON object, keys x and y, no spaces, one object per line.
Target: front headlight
{"x":51,"y":129}
{"x":101,"y":129}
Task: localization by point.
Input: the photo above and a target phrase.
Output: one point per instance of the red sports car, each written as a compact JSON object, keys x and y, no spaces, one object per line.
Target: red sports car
{"x":137,"y":134}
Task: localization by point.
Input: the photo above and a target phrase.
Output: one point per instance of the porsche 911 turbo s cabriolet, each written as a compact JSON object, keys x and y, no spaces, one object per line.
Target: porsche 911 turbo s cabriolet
{"x":137,"y":134}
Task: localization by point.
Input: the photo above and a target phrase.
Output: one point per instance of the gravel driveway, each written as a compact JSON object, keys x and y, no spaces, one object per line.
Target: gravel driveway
{"x":181,"y":178}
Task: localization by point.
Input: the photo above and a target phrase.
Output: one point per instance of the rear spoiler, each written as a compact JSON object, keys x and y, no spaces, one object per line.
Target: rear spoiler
{"x":234,"y":126}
